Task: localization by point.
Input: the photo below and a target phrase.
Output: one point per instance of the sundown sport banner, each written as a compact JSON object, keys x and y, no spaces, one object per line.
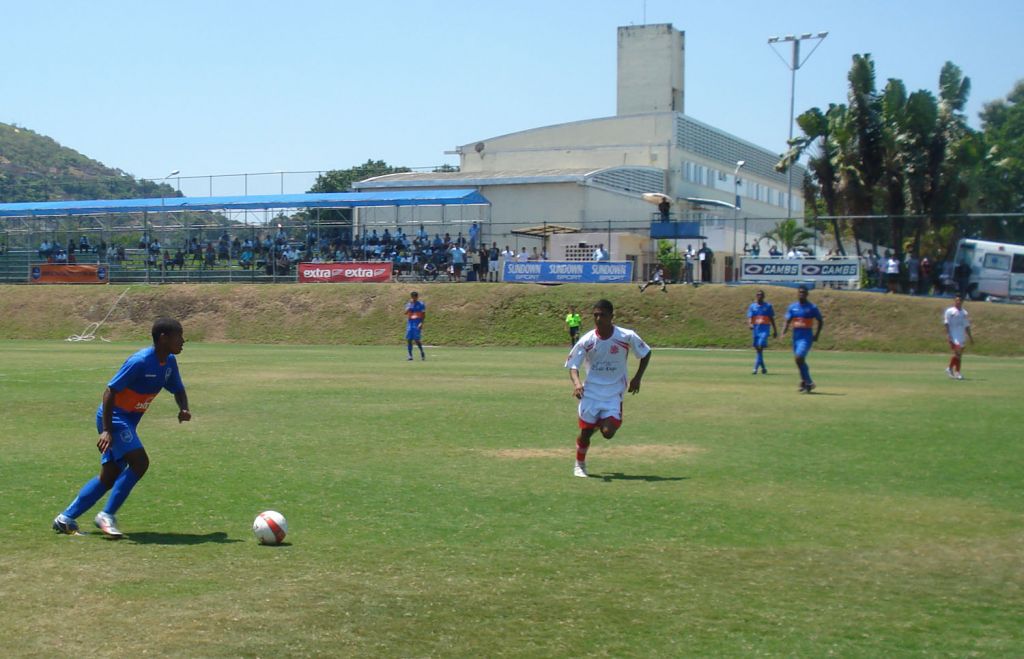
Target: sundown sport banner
{"x":776,"y":269}
{"x":563,"y":272}
{"x":53,"y":273}
{"x":344,"y":272}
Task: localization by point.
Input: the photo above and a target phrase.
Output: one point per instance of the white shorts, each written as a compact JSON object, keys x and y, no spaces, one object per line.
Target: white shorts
{"x":492,"y":266}
{"x":591,"y":411}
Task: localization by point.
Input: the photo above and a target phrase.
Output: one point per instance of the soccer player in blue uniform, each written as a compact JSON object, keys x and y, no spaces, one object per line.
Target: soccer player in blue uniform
{"x":801,"y":315}
{"x":761,"y":318}
{"x":128,"y":395}
{"x":415,"y":311}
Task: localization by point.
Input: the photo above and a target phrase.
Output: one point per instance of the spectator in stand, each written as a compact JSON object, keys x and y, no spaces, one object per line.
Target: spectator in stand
{"x":483,"y":267}
{"x":430,"y":271}
{"x":925,"y":282}
{"x":663,"y":207}
{"x":892,"y":272}
{"x":773,"y":251}
{"x":755,"y":249}
{"x":211,"y":256}
{"x":179,"y":259}
{"x":706,"y":258}
{"x":600,"y":254}
{"x":246,"y":258}
{"x":493,"y":256}
{"x":458,"y":260}
{"x":913,"y":265}
{"x":535,"y":255}
{"x":472,"y":264}
{"x":168,"y":261}
{"x":508,"y":254}
{"x":474,"y":235}
{"x":71,"y":246}
{"x":522,"y":256}
{"x":83,"y":244}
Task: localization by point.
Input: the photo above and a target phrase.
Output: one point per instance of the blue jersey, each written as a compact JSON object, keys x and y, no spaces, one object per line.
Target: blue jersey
{"x":761,"y":316}
{"x":415,"y":311}
{"x":140,"y":379}
{"x":802,"y":317}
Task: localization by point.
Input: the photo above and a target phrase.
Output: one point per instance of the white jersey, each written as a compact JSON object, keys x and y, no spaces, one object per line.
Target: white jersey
{"x":957,"y":321}
{"x":606,"y":362}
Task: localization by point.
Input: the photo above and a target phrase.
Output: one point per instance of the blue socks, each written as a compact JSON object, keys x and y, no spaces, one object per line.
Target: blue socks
{"x":86,"y":499}
{"x":759,"y":361}
{"x":805,"y":373}
{"x":122,"y":488}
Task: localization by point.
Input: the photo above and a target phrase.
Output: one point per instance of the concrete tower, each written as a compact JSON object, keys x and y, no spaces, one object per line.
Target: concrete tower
{"x":651,"y":64}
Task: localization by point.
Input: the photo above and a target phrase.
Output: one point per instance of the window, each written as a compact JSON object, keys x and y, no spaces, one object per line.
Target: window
{"x":1018,"y":264}
{"x":996,"y":262}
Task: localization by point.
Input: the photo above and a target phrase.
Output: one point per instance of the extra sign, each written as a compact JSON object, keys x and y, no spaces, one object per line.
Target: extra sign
{"x":769,"y":269}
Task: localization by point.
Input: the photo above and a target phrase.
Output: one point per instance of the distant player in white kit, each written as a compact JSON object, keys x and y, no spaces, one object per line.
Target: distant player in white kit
{"x":604,"y":353}
{"x":958,"y":330}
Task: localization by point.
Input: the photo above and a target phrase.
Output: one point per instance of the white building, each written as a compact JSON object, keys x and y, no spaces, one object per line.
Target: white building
{"x":590,"y":174}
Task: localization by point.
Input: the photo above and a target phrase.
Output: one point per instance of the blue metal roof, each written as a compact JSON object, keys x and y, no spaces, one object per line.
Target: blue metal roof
{"x":452,"y":197}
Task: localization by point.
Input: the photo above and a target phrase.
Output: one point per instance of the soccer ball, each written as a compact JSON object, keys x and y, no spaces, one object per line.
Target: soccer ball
{"x":270,"y":527}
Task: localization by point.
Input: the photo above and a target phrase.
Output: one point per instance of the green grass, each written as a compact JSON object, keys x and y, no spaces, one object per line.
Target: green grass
{"x":433,"y":510}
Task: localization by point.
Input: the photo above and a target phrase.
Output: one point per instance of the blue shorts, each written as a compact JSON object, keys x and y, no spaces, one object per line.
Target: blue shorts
{"x":124,"y":438}
{"x":802,"y":346}
{"x":412,"y":333}
{"x":760,"y":339}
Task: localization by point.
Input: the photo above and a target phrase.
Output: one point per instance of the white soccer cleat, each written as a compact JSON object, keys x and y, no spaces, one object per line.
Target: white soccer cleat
{"x":580,"y":470}
{"x":949,"y":372}
{"x":107,"y":524}
{"x":958,"y":376}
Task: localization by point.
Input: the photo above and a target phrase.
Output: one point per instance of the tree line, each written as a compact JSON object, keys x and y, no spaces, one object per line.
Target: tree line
{"x":905,"y":169}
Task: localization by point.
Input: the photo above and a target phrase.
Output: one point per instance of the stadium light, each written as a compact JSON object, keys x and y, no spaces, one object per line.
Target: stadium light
{"x":793,"y":65}
{"x":736,"y":213}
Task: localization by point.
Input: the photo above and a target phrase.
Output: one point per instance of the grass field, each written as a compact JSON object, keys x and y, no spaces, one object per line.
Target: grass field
{"x":433,"y":510}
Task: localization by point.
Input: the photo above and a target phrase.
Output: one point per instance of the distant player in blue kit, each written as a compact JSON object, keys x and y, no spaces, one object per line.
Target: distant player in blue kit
{"x":802,"y":315}
{"x":415,"y":311}
{"x":128,"y":395}
{"x":761,"y":318}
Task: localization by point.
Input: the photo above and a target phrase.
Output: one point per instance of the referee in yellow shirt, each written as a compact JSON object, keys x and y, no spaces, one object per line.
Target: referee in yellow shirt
{"x":573,"y":322}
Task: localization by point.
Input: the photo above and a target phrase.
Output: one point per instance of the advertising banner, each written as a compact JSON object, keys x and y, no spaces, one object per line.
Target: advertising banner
{"x":769,"y":269}
{"x":354,"y":271}
{"x":57,"y":273}
{"x":564,"y":272}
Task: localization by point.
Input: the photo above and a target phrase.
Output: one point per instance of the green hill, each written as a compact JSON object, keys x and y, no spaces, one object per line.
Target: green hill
{"x":34,"y":167}
{"x":486,"y":314}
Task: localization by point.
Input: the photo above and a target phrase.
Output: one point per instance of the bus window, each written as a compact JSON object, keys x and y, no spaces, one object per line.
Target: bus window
{"x":996,"y":262}
{"x":1018,"y":264}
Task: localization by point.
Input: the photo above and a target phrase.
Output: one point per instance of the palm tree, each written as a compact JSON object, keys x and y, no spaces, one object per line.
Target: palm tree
{"x":789,"y":234}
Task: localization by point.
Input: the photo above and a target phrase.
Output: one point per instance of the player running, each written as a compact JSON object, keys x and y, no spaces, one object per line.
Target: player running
{"x":415,"y":311}
{"x":958,"y":326}
{"x":604,"y":352}
{"x":801,"y":315}
{"x":657,"y":278}
{"x":123,"y":459}
{"x":761,"y":318}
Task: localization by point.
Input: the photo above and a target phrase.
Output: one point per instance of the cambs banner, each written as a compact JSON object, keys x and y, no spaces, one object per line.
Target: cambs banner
{"x":769,"y":269}
{"x":565,"y":272}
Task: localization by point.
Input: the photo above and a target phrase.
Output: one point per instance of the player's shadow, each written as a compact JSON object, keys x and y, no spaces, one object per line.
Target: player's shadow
{"x":151,"y":538}
{"x":619,"y":476}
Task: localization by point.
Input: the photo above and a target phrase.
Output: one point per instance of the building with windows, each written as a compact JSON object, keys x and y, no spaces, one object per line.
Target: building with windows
{"x":592,"y":174}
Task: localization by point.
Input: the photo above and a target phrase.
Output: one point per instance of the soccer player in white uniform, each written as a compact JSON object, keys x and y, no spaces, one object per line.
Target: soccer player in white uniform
{"x":604,"y":353}
{"x":958,"y":326}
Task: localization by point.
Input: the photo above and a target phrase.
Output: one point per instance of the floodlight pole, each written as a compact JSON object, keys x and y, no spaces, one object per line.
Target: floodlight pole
{"x":793,"y":65}
{"x":163,"y":213}
{"x":736,"y":213}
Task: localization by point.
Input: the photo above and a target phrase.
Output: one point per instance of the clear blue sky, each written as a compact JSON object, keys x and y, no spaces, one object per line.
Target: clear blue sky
{"x":211,"y":87}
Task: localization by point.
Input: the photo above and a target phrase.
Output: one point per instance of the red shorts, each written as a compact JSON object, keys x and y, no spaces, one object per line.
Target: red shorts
{"x":954,"y":346}
{"x":612,"y":421}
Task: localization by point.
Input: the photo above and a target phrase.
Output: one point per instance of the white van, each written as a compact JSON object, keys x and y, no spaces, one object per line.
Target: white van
{"x":997,"y":269}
